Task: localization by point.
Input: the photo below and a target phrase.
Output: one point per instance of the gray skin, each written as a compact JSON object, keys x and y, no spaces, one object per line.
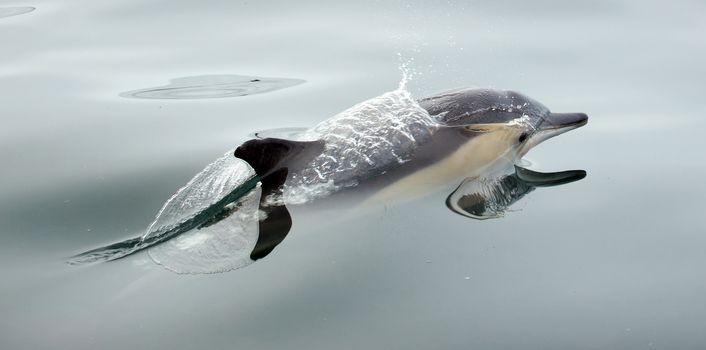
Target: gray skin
{"x":457,"y":118}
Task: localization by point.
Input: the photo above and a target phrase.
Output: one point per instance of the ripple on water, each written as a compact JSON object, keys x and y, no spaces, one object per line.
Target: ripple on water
{"x":213,"y":86}
{"x":281,"y":133}
{"x":14,"y":11}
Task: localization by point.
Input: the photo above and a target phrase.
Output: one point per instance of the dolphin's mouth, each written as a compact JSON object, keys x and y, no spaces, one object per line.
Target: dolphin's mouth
{"x":552,"y":125}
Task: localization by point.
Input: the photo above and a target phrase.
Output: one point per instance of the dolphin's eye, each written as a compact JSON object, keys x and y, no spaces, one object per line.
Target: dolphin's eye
{"x":523,"y":137}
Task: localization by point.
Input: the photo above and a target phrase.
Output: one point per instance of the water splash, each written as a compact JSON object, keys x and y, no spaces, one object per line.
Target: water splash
{"x":203,"y":191}
{"x":15,"y":11}
{"x":408,"y":73}
{"x":363,"y":141}
{"x":213,"y":86}
{"x":210,"y":193}
{"x":221,"y":247}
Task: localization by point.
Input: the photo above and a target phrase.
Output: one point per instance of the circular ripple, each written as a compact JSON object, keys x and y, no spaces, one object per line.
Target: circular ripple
{"x":281,"y":133}
{"x":213,"y":86}
{"x":14,"y":11}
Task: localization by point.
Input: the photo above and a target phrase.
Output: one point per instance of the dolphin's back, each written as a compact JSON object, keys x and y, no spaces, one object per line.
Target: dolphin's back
{"x":478,"y":106}
{"x":362,"y":142}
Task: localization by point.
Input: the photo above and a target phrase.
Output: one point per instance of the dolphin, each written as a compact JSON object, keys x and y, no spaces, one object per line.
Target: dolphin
{"x":388,"y":148}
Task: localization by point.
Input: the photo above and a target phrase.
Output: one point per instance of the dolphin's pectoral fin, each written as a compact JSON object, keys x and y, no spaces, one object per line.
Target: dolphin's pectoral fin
{"x":486,"y":198}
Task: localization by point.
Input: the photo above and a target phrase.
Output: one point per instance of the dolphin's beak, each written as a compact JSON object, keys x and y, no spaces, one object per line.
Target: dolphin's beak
{"x":563,"y":121}
{"x":552,"y":125}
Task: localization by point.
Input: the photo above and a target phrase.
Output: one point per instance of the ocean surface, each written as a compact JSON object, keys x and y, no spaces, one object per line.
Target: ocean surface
{"x":108,"y":107}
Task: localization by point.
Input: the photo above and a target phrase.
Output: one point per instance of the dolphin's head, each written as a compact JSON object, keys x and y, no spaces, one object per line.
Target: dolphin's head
{"x":510,"y":122}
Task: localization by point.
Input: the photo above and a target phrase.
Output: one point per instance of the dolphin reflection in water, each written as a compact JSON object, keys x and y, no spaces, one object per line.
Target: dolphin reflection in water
{"x":388,"y":148}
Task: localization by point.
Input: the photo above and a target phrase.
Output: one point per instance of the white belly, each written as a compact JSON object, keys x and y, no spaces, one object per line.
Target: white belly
{"x":476,"y":156}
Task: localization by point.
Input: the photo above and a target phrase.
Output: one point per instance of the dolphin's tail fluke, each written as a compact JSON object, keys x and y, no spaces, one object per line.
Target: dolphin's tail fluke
{"x":110,"y":252}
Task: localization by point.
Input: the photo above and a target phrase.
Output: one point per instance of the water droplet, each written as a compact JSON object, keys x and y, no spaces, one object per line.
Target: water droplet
{"x":213,"y":86}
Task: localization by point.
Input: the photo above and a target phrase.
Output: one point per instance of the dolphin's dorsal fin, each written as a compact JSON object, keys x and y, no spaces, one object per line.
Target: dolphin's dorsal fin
{"x":486,"y":198}
{"x":270,"y":154}
{"x":273,"y":159}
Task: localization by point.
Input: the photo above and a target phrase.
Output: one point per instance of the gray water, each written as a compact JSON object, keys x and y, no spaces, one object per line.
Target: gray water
{"x":614,"y":261}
